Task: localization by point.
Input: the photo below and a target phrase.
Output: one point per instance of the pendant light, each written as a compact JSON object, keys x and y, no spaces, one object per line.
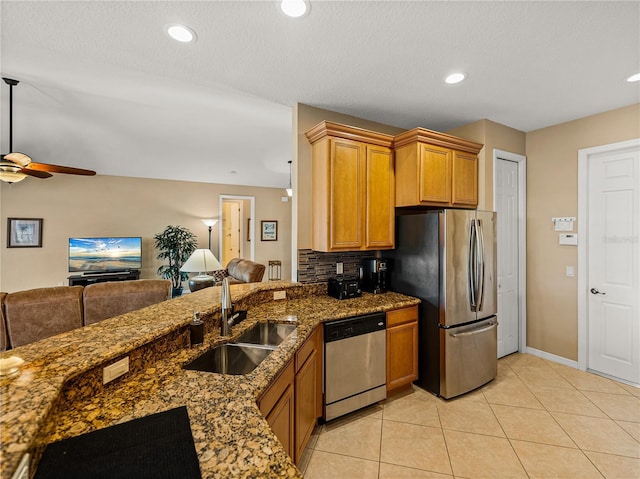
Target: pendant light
{"x":290,"y":189}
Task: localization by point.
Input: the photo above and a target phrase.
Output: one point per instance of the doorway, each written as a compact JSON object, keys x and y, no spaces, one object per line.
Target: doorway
{"x":609,"y":260}
{"x":236,"y":228}
{"x":509,"y":179}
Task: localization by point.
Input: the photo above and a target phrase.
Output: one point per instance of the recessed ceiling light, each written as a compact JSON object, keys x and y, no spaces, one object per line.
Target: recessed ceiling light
{"x":455,"y":78}
{"x":180,"y":33}
{"x":295,"y":8}
{"x":633,"y":78}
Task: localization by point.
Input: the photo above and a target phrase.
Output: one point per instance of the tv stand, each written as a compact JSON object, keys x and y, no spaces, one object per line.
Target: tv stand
{"x":90,"y":278}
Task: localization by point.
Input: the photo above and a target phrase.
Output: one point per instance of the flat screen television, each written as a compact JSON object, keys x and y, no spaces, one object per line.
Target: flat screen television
{"x":104,"y":255}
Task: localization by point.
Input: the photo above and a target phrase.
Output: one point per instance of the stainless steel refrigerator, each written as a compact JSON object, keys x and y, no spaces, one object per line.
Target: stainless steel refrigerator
{"x":447,"y":258}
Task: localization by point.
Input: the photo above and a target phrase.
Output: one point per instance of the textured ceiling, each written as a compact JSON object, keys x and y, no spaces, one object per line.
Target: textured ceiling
{"x":103,"y":87}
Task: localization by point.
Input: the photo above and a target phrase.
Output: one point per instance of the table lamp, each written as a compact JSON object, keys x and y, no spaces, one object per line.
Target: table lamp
{"x":201,"y":261}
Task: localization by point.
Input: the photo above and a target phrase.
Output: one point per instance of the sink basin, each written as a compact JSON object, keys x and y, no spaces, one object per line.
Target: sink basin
{"x":270,"y":334}
{"x":230,"y":359}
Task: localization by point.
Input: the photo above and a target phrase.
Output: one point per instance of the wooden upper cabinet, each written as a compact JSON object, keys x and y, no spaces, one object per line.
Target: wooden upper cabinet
{"x":380,"y":199}
{"x":436,"y":169}
{"x":353,"y":184}
{"x":464,"y":184}
{"x":435,"y":174}
{"x":346,"y":193}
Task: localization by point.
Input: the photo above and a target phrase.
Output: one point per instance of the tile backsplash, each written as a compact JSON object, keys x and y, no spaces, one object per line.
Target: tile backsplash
{"x":318,"y":267}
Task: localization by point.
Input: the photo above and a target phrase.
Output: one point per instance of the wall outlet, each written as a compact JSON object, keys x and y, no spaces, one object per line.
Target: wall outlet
{"x":115,"y":370}
{"x":339,"y":268}
{"x":280,"y":295}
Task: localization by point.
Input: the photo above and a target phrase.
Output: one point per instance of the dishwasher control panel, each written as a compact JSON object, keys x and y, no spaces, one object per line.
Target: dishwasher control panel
{"x":355,"y":326}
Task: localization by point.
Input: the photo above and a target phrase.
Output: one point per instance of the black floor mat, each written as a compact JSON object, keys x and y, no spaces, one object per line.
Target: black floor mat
{"x":159,"y":446}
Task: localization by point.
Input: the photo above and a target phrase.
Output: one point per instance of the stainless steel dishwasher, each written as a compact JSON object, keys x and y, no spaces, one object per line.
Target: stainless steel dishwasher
{"x":355,"y":363}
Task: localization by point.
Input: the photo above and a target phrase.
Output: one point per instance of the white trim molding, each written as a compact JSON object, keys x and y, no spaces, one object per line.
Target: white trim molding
{"x":522,"y":235}
{"x":552,"y":357}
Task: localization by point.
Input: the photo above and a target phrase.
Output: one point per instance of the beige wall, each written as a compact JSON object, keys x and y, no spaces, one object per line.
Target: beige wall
{"x":118,"y":206}
{"x":304,"y":118}
{"x":552,"y":190}
{"x":493,"y":136}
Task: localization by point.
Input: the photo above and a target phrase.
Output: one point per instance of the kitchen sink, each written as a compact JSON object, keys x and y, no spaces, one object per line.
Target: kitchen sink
{"x":270,"y":334}
{"x":230,"y":358}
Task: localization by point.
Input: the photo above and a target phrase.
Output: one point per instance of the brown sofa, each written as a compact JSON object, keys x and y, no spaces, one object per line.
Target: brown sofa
{"x":106,"y":300}
{"x":244,"y":271}
{"x":39,"y":313}
{"x":4,"y":339}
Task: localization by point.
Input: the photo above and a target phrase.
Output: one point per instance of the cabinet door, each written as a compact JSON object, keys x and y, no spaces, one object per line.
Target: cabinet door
{"x":305,"y":405}
{"x":380,"y":199}
{"x":464,"y":179}
{"x":435,"y":174}
{"x":346,"y":192}
{"x":402,"y":347}
{"x":281,"y":419}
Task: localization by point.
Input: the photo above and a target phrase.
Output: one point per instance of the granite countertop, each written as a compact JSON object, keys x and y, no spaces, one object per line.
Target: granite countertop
{"x":59,"y":392}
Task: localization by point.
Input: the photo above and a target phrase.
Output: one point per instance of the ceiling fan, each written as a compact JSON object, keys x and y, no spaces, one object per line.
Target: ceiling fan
{"x":16,"y":166}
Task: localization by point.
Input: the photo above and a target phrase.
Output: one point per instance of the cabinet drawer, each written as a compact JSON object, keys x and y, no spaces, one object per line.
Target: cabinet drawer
{"x":270,"y":397}
{"x":401,"y":316}
{"x":305,"y":351}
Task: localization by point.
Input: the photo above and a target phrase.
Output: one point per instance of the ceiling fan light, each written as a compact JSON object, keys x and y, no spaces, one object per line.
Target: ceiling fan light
{"x":11,"y":176}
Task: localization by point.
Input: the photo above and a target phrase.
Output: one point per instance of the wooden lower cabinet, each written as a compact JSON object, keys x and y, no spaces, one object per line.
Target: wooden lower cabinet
{"x":293,"y":402}
{"x":281,"y":419}
{"x":402,"y":347}
{"x":305,"y":406}
{"x":277,"y":406}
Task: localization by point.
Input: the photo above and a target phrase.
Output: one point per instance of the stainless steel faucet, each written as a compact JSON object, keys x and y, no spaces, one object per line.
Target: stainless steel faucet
{"x":227,"y":308}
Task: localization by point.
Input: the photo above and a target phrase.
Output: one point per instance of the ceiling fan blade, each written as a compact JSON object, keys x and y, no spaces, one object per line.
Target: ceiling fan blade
{"x":59,"y":169}
{"x":35,"y":173}
{"x":18,"y":158}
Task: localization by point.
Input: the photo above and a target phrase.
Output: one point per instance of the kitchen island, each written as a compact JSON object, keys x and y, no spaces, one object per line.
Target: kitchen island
{"x":59,"y":391}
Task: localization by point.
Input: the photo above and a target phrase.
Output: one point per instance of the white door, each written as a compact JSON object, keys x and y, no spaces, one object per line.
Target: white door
{"x":614,"y":264}
{"x":506,"y":206}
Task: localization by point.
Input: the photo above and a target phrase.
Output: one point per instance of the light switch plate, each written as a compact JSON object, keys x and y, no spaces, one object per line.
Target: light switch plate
{"x":280,"y":295}
{"x":339,"y":268}
{"x":570,"y":239}
{"x":570,"y":272}
{"x":115,"y":370}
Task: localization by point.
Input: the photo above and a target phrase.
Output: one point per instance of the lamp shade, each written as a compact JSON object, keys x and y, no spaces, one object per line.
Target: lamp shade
{"x":201,"y":260}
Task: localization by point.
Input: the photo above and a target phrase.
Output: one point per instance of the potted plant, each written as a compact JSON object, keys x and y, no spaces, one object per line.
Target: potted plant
{"x":175,"y":244}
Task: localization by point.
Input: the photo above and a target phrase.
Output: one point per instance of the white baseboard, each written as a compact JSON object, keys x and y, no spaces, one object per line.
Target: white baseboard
{"x":552,"y":357}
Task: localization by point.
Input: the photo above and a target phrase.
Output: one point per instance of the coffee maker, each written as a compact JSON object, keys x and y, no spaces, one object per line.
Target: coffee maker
{"x":374,"y":275}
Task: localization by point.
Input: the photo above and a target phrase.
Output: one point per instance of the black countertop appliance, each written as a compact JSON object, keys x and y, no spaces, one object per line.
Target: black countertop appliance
{"x":375,"y":275}
{"x":344,"y":287}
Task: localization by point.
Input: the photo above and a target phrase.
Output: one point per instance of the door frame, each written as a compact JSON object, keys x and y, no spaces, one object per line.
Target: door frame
{"x":584,"y":155}
{"x":252,"y":200}
{"x":521,"y":160}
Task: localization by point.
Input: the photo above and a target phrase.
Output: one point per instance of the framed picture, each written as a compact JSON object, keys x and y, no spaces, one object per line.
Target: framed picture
{"x":24,"y":232}
{"x":269,"y":230}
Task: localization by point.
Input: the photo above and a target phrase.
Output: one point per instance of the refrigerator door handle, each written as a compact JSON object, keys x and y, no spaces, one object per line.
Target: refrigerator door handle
{"x":481,"y":264}
{"x":471,"y":273}
{"x":490,"y":326}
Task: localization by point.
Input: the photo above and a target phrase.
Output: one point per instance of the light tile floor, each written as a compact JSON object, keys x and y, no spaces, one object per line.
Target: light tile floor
{"x":537,"y":419}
